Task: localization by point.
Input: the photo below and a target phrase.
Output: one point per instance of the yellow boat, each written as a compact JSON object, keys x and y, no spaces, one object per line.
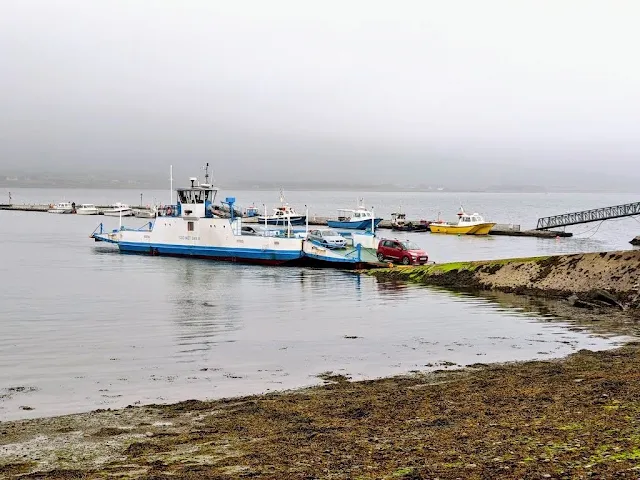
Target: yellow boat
{"x":467,"y":225}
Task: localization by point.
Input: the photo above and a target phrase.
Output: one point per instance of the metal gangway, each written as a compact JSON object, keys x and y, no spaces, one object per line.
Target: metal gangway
{"x":586,"y":216}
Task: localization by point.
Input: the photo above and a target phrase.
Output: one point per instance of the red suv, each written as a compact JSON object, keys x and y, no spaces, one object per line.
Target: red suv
{"x":401,"y":251}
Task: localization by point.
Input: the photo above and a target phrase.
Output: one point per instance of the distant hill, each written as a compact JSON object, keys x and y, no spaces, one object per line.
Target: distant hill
{"x":515,"y":189}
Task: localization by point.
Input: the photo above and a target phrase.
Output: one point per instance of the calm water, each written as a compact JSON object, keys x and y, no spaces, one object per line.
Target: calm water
{"x":84,"y":327}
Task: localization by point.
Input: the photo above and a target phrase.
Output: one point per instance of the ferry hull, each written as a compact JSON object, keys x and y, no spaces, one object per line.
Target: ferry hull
{"x":359,"y":225}
{"x":262,"y":257}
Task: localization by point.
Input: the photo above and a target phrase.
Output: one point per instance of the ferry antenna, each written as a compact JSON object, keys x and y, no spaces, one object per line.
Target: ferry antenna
{"x":206,"y":173}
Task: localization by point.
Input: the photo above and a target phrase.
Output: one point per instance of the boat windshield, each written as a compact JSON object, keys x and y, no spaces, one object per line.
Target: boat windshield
{"x":407,"y":245}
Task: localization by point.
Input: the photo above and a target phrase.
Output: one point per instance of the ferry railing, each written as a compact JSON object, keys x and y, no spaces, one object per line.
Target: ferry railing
{"x":98,"y":230}
{"x":357,"y":253}
{"x":146,"y":226}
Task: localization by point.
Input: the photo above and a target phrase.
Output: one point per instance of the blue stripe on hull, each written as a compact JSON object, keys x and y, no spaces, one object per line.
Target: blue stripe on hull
{"x":360,"y":225}
{"x":273,"y":257}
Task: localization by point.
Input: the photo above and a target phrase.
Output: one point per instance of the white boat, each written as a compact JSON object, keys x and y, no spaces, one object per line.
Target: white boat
{"x":283,"y":215}
{"x":355,"y":219}
{"x":118,"y":210}
{"x":62,"y":207}
{"x":87,"y":209}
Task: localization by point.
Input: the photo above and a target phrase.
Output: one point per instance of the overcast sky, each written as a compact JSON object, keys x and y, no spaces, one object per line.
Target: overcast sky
{"x":443,"y":91}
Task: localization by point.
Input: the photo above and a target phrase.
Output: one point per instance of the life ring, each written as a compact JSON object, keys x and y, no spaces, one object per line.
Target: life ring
{"x":169,"y":211}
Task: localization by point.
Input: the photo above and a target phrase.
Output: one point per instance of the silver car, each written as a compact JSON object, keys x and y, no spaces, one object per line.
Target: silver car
{"x":327,"y":238}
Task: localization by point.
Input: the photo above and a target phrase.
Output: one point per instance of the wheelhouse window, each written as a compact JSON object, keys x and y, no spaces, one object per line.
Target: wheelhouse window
{"x":195,"y":196}
{"x":190,"y":226}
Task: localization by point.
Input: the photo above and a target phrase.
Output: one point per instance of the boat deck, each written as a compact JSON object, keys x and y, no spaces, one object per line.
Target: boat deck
{"x":349,"y":257}
{"x":313,"y":254}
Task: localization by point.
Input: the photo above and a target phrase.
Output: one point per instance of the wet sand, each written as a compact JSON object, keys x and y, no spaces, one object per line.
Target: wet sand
{"x":571,"y":418}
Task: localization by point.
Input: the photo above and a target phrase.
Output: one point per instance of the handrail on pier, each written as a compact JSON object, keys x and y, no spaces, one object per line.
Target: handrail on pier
{"x":586,"y":216}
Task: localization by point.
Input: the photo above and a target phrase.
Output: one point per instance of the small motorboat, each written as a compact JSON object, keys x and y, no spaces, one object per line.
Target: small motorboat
{"x":251,"y":211}
{"x":87,"y":209}
{"x":118,"y":210}
{"x":283,"y":215}
{"x":62,"y":207}
{"x":355,"y":219}
{"x":473,"y":224}
{"x":399,"y":223}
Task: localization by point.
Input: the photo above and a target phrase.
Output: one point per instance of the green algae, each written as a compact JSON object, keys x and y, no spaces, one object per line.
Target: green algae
{"x":423,"y":272}
{"x":403,"y":472}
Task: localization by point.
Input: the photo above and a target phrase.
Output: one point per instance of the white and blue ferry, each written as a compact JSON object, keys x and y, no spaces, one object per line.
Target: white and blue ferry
{"x":191,"y":229}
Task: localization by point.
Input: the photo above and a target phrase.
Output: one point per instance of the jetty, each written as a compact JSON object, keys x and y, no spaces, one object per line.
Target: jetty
{"x":510,"y":230}
{"x":45,"y":208}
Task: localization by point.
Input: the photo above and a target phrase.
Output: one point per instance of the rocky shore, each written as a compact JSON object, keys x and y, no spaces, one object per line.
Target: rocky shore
{"x":568,"y":419}
{"x":589,"y":280}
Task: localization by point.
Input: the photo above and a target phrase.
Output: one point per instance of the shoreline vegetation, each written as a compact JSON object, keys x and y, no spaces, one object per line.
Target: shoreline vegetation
{"x":576,"y":417}
{"x":587,"y":280}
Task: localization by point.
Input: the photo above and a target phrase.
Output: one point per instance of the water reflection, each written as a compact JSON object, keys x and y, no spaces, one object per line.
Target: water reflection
{"x":205,"y":307}
{"x":391,"y":288}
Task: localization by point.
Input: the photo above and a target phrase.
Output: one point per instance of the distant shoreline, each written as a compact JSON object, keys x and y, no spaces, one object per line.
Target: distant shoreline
{"x":315,"y":188}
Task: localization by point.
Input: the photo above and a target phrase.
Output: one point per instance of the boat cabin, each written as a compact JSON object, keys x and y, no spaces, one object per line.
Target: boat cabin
{"x":473,"y":219}
{"x":347,"y":215}
{"x":284,"y":211}
{"x":251,"y":211}
{"x":197,"y":200}
{"x":398,"y":218}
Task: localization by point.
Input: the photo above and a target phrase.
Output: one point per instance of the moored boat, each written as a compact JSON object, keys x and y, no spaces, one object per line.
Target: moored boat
{"x":62,"y":207}
{"x":399,"y":223}
{"x":251,"y":211}
{"x":283,"y":215}
{"x":355,"y":219}
{"x":87,"y":209}
{"x":473,"y":224}
{"x":118,"y":210}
